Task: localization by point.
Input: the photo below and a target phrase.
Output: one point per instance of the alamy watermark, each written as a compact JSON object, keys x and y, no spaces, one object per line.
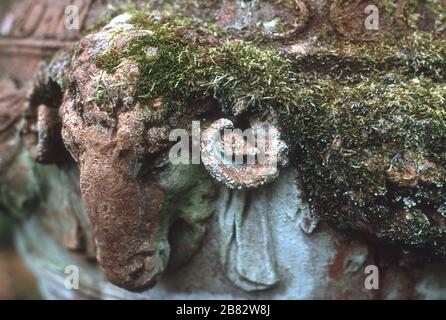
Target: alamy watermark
{"x":371,"y":22}
{"x":72,"y":279}
{"x":371,"y":282}
{"x":71,"y":20}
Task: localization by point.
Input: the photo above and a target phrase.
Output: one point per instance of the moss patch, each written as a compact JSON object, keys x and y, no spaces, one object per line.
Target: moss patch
{"x":108,"y":61}
{"x":349,"y":139}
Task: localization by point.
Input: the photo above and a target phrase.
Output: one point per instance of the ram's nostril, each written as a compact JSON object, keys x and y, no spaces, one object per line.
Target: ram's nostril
{"x":136,"y":268}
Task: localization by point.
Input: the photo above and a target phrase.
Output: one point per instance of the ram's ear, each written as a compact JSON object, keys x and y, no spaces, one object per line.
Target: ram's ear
{"x":43,"y":126}
{"x":11,"y":121}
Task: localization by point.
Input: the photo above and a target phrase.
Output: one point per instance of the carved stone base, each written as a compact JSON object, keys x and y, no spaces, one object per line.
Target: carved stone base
{"x":320,"y":264}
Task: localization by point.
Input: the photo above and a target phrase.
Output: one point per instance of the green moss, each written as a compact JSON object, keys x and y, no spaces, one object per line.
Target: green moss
{"x":347,"y":136}
{"x":418,"y":53}
{"x":183,"y":70}
{"x":103,"y":98}
{"x":242,"y":73}
{"x":108,"y":61}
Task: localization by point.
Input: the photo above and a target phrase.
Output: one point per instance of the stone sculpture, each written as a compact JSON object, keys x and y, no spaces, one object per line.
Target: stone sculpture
{"x":353,"y":175}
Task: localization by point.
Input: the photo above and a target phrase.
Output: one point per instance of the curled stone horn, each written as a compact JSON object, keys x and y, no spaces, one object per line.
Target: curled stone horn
{"x":11,"y":101}
{"x":243,"y":160}
{"x":43,"y":126}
